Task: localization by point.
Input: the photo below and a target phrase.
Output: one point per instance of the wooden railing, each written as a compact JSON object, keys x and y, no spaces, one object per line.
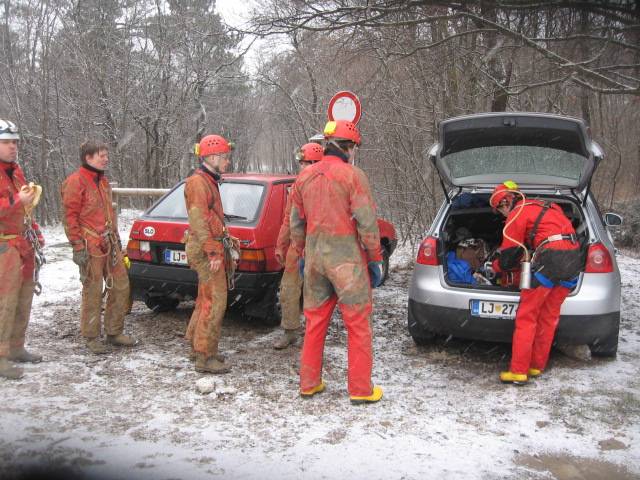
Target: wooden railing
{"x":134,"y":192}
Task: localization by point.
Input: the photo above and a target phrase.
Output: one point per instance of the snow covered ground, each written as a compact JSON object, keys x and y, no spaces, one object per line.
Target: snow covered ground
{"x":137,"y":414}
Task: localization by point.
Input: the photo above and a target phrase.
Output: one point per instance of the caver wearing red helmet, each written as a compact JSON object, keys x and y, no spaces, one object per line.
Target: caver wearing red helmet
{"x":333,"y":221}
{"x":540,"y":227}
{"x":206,"y":252}
{"x":291,"y":283}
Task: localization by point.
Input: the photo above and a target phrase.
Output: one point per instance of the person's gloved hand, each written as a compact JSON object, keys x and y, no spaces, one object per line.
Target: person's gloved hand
{"x":301,"y":267}
{"x":80,"y":257}
{"x":375,"y":273}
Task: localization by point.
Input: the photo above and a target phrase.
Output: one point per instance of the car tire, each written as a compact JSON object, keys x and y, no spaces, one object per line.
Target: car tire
{"x":605,"y":347}
{"x":266,"y":311}
{"x":385,"y":265}
{"x":420,"y":335}
{"x":161,"y":304}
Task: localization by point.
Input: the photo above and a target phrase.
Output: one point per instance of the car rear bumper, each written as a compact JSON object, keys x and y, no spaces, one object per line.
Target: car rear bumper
{"x":596,"y":294}
{"x":180,"y":282}
{"x":572,"y":329}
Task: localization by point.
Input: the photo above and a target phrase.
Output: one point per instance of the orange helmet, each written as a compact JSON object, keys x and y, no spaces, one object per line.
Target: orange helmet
{"x":502,"y":191}
{"x":309,"y":152}
{"x":342,"y":130}
{"x":214,"y":145}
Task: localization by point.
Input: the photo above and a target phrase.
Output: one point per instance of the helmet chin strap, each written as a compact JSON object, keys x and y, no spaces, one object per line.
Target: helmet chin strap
{"x":341,"y":152}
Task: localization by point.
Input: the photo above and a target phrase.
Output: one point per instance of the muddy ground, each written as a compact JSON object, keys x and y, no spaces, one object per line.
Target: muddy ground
{"x":136,"y":413}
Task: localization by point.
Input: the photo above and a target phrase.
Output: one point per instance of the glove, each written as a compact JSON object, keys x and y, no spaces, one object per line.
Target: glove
{"x":375,"y":273}
{"x":301,"y":267}
{"x":81,"y":257}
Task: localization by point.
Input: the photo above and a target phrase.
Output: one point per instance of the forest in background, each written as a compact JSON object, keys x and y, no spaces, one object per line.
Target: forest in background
{"x":150,"y":78}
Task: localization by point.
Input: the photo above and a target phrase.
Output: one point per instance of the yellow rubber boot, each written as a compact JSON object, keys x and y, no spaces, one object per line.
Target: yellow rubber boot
{"x":312,"y":391}
{"x":375,"y":396}
{"x":515,"y":378}
{"x":535,"y":372}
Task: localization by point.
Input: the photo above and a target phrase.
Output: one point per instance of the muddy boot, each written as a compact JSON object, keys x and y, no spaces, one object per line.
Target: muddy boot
{"x":217,"y":356}
{"x":8,"y":370}
{"x":96,"y":347}
{"x":210,"y":365}
{"x":121,"y":340}
{"x":287,"y":338}
{"x":21,"y":355}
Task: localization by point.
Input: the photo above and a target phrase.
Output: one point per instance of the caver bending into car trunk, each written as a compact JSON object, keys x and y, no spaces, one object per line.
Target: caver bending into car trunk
{"x":556,"y":262}
{"x":17,"y":259}
{"x":90,"y":224}
{"x":333,"y":221}
{"x":291,"y":283}
{"x":205,"y":248}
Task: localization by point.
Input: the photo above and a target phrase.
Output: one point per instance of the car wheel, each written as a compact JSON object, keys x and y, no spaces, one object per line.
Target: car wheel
{"x":385,"y":265}
{"x":266,"y":311}
{"x":605,"y":347}
{"x":421,"y":336}
{"x":161,"y":304}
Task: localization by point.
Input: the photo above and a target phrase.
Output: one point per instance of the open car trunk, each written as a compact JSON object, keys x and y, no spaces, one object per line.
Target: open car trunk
{"x":473,"y":232}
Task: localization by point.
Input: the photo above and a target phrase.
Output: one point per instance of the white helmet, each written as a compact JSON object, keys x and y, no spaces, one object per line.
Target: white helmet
{"x":8,"y":130}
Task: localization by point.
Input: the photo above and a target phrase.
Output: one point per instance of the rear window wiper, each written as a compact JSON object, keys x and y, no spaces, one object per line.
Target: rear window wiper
{"x":229,"y":216}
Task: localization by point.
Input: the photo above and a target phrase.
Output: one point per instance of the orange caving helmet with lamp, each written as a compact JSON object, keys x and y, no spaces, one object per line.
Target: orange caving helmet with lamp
{"x":342,"y":130}
{"x":502,"y":191}
{"x":310,"y":152}
{"x":213,"y":145}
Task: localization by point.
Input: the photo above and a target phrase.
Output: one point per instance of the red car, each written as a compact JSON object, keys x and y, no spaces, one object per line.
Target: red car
{"x":254,"y":209}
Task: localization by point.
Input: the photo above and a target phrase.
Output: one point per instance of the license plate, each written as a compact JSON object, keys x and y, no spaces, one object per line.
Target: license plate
{"x":484,"y":308}
{"x":175,"y":257}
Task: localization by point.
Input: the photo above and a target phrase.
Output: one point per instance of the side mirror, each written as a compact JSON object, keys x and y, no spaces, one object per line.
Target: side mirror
{"x":612,"y":220}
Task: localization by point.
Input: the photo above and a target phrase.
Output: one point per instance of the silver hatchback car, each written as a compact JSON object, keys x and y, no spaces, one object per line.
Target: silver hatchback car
{"x":551,"y":158}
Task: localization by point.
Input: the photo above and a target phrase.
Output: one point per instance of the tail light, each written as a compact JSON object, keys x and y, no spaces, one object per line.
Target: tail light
{"x":252,"y":261}
{"x":598,"y":259}
{"x":139,"y":250}
{"x":428,"y":252}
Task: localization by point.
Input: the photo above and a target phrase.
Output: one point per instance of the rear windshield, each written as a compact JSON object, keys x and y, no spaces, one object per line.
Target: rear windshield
{"x":515,"y":159}
{"x":240,"y":201}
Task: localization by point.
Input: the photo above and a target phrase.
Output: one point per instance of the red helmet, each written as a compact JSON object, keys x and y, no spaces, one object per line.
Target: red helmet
{"x":309,"y":152}
{"x":342,"y":130}
{"x":502,"y":191}
{"x":214,"y":145}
